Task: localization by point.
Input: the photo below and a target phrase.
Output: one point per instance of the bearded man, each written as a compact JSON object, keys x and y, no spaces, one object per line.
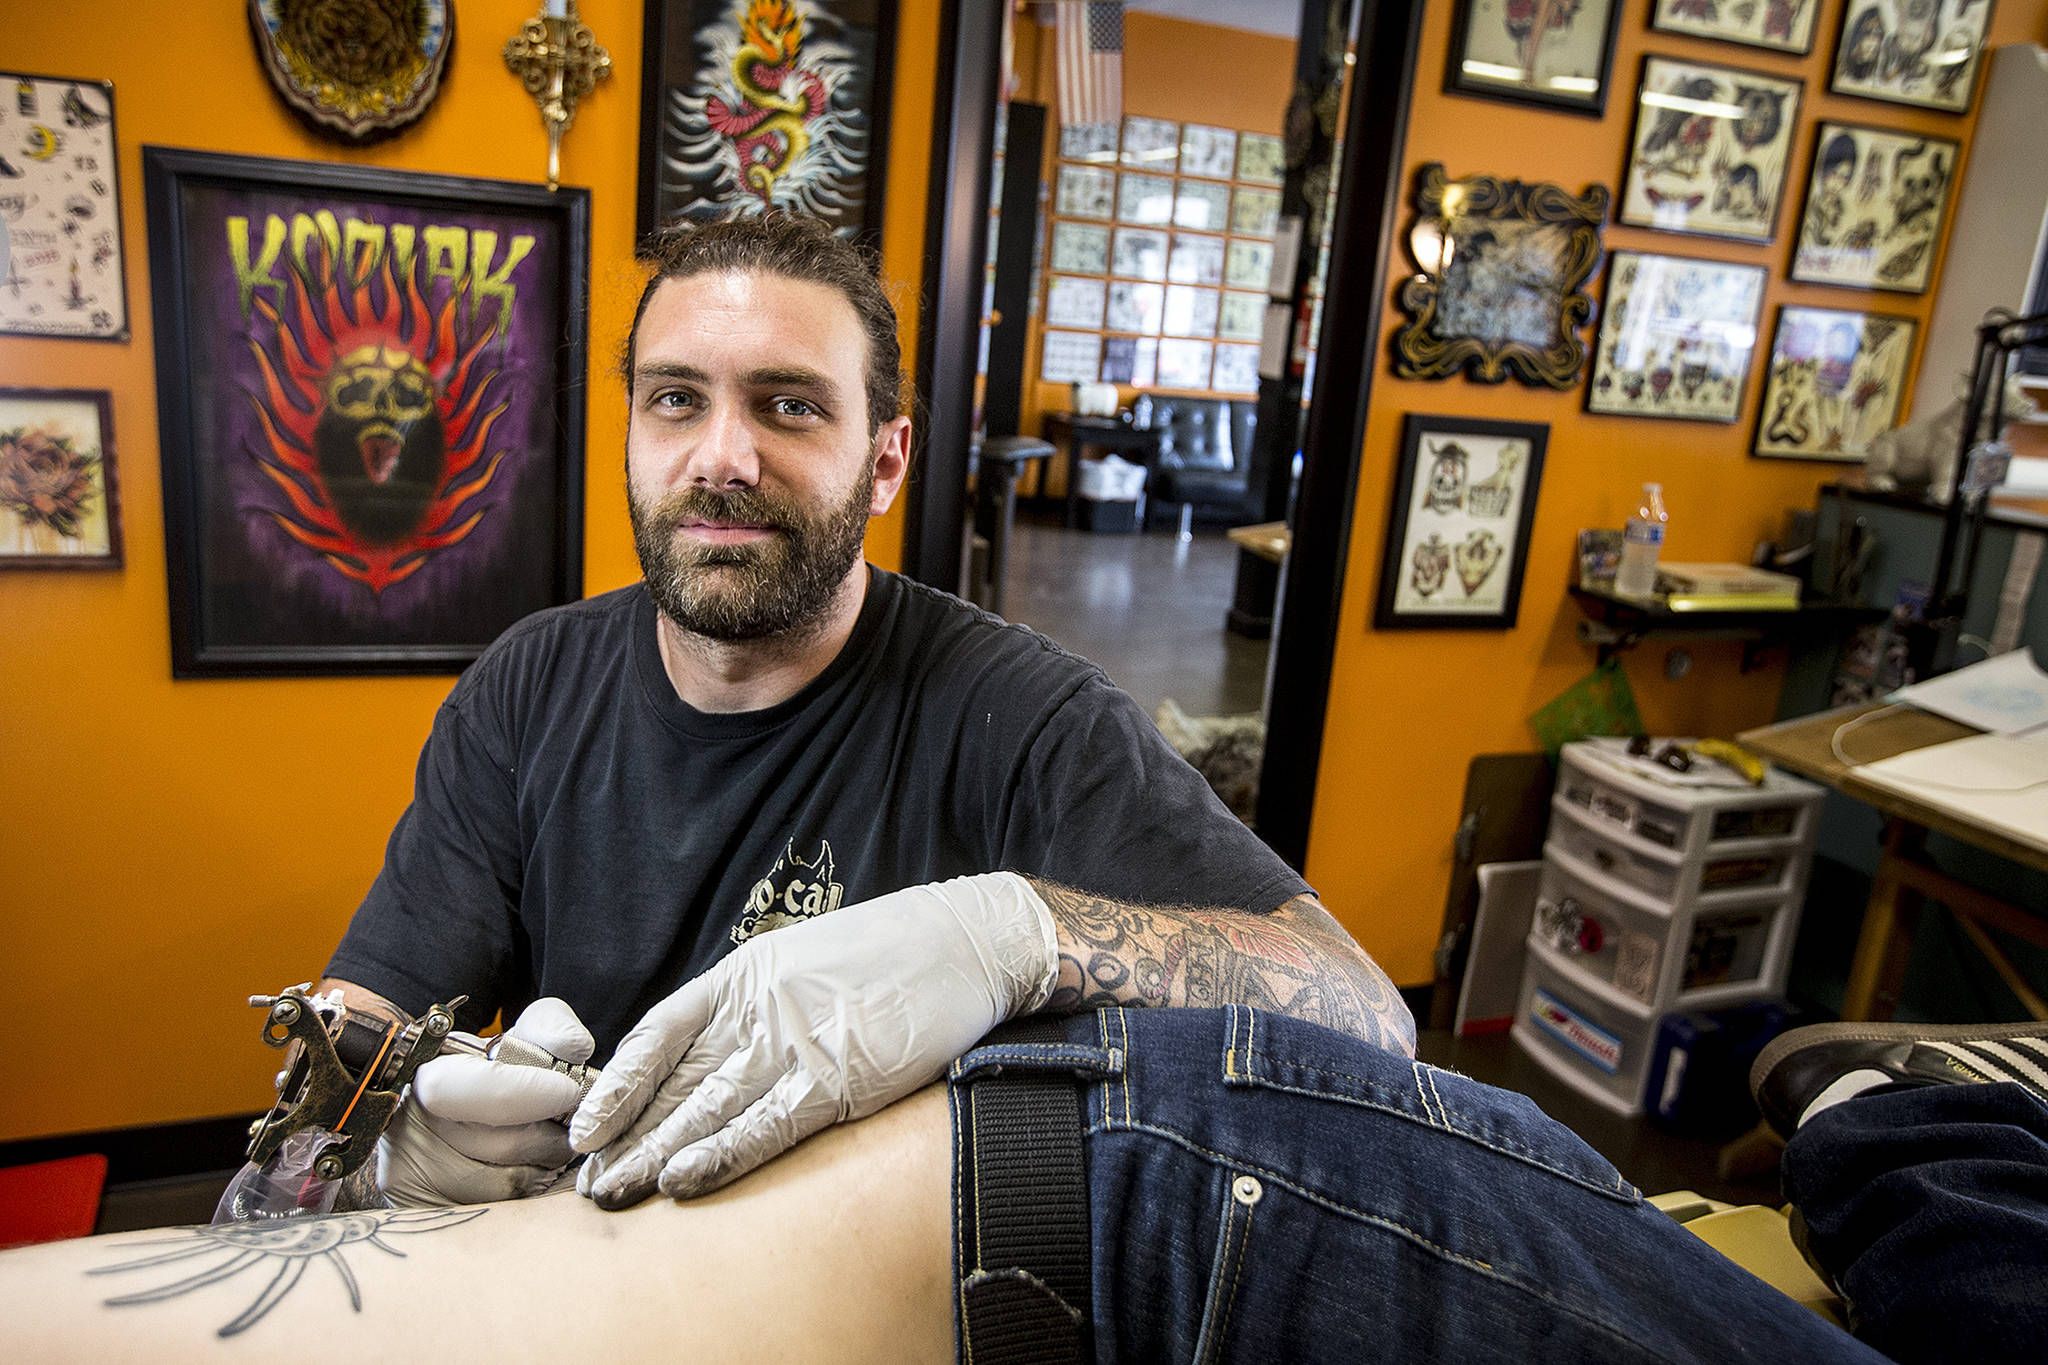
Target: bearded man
{"x":945,"y":821}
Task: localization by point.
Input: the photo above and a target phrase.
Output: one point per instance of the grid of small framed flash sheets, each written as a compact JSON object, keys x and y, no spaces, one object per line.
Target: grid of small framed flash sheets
{"x":1159,"y":254}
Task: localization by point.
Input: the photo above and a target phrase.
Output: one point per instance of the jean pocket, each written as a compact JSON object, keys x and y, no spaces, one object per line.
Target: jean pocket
{"x":1241,"y":1196}
{"x":1272,"y":1051}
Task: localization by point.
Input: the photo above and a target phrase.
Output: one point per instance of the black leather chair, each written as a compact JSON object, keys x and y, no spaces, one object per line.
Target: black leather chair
{"x":1205,"y":454}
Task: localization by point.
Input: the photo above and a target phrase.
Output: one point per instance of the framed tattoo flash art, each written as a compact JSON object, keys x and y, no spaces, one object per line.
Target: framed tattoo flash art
{"x":1874,"y":208}
{"x":1458,"y":537}
{"x":370,"y":391}
{"x":60,"y":211}
{"x":1086,"y":192}
{"x":746,"y":107}
{"x":1676,"y":338}
{"x":1150,"y":144}
{"x":1920,"y":52}
{"x":1552,"y":53}
{"x":58,"y":503}
{"x":1834,"y":383}
{"x":1780,"y":25}
{"x":1502,"y":289}
{"x":1207,"y":151}
{"x":1081,"y":247}
{"x":1261,"y":158}
{"x":1710,"y":150}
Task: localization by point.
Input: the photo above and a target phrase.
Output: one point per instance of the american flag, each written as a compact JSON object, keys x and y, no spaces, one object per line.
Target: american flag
{"x":1091,"y":62}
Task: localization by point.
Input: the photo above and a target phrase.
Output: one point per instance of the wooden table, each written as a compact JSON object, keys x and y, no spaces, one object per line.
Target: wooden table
{"x":1269,"y":540}
{"x":1904,"y":876}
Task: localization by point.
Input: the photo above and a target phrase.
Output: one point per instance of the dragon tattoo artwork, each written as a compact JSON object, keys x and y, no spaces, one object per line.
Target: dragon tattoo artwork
{"x":772,"y":119}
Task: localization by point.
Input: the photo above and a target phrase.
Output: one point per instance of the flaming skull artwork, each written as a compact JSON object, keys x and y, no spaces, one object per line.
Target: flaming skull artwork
{"x":377,"y":423}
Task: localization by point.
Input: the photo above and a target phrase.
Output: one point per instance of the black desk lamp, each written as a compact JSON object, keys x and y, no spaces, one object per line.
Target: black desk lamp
{"x":1931,"y":645}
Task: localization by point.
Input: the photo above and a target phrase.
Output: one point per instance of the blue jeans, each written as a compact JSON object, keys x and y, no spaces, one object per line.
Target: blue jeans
{"x":1954,"y":1176}
{"x":1268,"y":1190}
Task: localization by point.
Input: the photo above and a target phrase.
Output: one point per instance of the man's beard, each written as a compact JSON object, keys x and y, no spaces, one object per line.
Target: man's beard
{"x":749,"y":591}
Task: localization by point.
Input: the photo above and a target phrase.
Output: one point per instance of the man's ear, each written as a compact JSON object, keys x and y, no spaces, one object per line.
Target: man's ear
{"x":892,"y":463}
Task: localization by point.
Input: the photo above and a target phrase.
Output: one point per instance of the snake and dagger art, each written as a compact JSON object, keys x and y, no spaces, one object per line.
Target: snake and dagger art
{"x":760,"y":104}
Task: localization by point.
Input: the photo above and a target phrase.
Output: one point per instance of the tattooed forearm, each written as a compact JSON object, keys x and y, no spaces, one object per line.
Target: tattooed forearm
{"x":1296,"y":961}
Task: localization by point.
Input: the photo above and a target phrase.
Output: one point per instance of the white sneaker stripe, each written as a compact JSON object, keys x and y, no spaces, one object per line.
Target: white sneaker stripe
{"x":1968,"y":1055}
{"x":1998,"y":1061}
{"x":2026,"y":1067}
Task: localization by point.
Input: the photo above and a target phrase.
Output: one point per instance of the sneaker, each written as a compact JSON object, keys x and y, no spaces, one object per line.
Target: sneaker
{"x":1809,"y":1068}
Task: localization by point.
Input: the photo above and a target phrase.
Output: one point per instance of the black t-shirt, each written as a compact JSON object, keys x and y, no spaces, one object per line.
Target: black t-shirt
{"x":577,"y":830}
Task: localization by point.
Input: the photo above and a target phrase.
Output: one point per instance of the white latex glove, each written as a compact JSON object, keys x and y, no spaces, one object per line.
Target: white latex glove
{"x":822,"y":1020}
{"x":471,"y":1130}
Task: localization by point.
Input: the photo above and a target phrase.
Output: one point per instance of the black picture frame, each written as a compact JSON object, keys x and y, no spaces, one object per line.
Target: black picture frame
{"x":1745,"y":26}
{"x":77,"y":291}
{"x":1834,"y":380}
{"x":374,"y":468}
{"x":1691,"y":201}
{"x":1898,"y":72}
{"x":1468,"y":69}
{"x":1893,"y":244}
{"x":690,"y":169}
{"x":1421,"y":575}
{"x":1691,"y":325}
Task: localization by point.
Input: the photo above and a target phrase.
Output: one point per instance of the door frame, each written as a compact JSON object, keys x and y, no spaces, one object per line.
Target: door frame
{"x":1363,"y":226}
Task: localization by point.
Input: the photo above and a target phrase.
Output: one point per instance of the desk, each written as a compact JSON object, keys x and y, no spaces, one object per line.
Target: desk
{"x":1269,"y":540}
{"x":1904,"y":877}
{"x":1075,"y":434}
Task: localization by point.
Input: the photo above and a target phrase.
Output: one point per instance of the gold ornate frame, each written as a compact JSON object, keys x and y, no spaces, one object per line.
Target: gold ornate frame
{"x":1452,"y":211}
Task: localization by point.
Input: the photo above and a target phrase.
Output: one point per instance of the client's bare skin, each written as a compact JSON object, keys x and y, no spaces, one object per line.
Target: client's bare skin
{"x":841,"y":1250}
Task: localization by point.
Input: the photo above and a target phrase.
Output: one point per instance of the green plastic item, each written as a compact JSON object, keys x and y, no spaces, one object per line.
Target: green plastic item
{"x":1600,"y":703}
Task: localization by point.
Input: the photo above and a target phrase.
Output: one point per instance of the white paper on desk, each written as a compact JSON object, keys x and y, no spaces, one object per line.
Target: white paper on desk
{"x":2007,"y":695}
{"x":1998,"y":780}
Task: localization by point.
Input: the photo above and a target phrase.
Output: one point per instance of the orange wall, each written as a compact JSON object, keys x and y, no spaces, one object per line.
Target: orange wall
{"x":1173,"y":69}
{"x":167,"y":848}
{"x":1410,"y":709}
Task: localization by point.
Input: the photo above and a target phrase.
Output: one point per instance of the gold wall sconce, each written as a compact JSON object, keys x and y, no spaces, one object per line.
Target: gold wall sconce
{"x":559,"y":61}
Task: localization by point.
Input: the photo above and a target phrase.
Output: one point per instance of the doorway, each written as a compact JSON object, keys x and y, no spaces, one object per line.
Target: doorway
{"x":1360,"y":213}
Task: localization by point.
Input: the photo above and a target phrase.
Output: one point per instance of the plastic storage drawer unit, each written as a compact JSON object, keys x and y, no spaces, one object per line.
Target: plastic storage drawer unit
{"x":1592,"y":1043}
{"x":1717,"y":950}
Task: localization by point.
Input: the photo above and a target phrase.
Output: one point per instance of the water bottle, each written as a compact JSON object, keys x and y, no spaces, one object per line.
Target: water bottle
{"x":1640,"y":543}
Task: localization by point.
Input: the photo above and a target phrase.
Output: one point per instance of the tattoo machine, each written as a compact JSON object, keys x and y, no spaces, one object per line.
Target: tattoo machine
{"x":339,"y":1092}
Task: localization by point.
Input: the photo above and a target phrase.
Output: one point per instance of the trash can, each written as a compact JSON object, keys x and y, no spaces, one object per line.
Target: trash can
{"x":1110,"y":489}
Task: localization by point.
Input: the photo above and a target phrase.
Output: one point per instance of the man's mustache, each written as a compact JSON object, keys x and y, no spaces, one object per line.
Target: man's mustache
{"x":744,"y":506}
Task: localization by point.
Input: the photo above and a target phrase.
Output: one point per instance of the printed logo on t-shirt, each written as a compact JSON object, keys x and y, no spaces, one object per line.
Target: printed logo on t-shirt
{"x":793,"y":890}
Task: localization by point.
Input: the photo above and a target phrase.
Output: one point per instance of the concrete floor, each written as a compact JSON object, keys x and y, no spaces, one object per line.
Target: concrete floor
{"x":1148,"y":608}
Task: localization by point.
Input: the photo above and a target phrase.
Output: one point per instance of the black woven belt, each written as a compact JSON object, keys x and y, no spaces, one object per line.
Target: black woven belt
{"x":1023,"y":1212}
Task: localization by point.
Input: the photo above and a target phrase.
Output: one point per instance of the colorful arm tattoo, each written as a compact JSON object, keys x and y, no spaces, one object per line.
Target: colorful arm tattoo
{"x":1296,"y":961}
